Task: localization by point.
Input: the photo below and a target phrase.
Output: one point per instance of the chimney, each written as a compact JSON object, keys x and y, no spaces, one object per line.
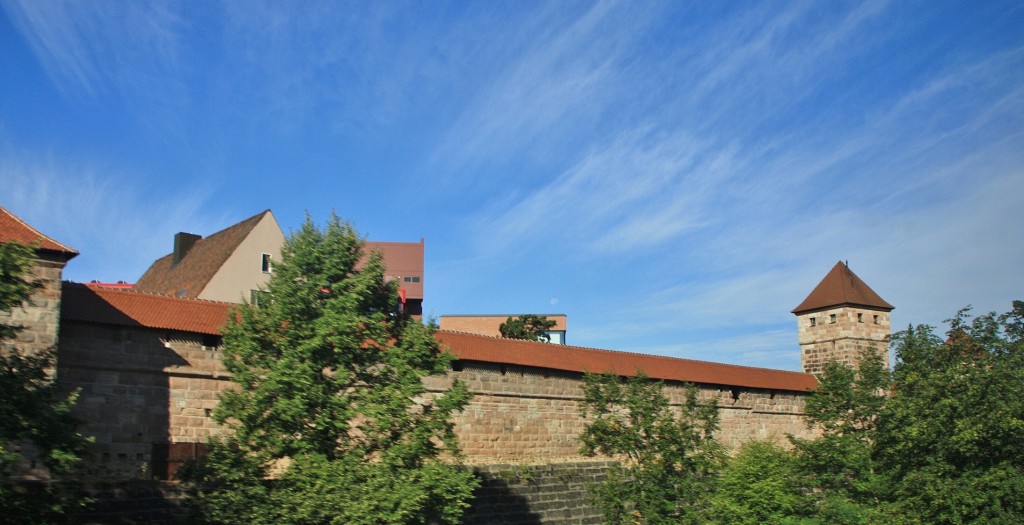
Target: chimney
{"x":183,"y":242}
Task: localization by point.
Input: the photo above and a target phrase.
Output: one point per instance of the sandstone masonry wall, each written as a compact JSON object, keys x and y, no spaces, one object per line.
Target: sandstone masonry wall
{"x":145,"y":393}
{"x":40,"y":315}
{"x":841,"y":333}
{"x":140,"y":391}
{"x":531,"y":415}
{"x":39,"y":319}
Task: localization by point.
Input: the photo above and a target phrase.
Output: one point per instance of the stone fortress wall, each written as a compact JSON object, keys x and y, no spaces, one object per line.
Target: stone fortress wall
{"x":146,"y":395}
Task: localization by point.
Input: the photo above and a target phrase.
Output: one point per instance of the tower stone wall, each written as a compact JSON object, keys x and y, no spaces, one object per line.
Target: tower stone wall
{"x":39,"y":316}
{"x":841,"y":334}
{"x":841,"y":318}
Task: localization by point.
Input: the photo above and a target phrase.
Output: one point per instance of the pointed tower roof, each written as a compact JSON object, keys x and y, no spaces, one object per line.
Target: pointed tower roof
{"x":842,"y":287}
{"x":190,"y":275}
{"x":13,"y":229}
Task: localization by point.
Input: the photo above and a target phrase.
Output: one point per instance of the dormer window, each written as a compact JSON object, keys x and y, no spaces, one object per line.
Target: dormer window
{"x":265,"y":265}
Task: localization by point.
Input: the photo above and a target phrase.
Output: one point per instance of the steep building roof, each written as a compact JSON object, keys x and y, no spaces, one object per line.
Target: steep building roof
{"x":842,"y":287}
{"x":474,"y":347}
{"x":193,"y":272}
{"x":133,"y":308}
{"x":13,"y":229}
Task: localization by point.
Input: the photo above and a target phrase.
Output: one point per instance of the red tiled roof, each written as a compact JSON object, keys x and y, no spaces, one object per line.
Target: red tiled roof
{"x":472,"y":347}
{"x":842,"y":287}
{"x":190,"y":276}
{"x":132,"y":308}
{"x":13,"y":229}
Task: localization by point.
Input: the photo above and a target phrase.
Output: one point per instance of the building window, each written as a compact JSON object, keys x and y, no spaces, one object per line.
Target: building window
{"x":814,"y":321}
{"x":832,"y":319}
{"x":860,"y":318}
{"x":876,"y":319}
{"x":265,"y":263}
{"x":259,"y":297}
{"x":412,"y":279}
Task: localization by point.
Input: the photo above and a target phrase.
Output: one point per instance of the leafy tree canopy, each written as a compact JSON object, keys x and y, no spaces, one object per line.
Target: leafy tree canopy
{"x":951,"y":437}
{"x":667,"y":456}
{"x":529,"y":327}
{"x":330,"y":400}
{"x":940,"y":440}
{"x":757,"y":486}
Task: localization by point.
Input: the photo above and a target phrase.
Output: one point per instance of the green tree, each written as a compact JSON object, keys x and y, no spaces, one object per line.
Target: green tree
{"x":667,"y":457}
{"x":757,"y":486}
{"x":33,"y":411}
{"x":331,"y":403}
{"x":529,"y":327}
{"x":838,"y":465}
{"x":951,"y":438}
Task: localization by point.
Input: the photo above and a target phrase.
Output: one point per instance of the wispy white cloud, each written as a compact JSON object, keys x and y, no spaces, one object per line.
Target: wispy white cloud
{"x":130,"y":49}
{"x":680,"y":173}
{"x":566,"y":76}
{"x":118,"y":224}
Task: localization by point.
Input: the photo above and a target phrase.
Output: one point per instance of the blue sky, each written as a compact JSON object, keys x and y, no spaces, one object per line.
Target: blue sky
{"x":675,"y":177}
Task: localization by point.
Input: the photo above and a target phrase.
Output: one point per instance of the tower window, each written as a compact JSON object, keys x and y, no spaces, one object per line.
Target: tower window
{"x":814,"y":321}
{"x":876,"y":319}
{"x":265,"y":263}
{"x":860,"y":318}
{"x":832,"y":319}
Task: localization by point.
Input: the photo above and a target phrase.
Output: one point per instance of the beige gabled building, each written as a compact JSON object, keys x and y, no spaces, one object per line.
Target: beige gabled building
{"x":230,"y":265}
{"x":233,"y":264}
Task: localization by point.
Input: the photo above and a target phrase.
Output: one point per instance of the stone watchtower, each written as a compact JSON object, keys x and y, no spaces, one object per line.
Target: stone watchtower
{"x":841,"y":317}
{"x":39,"y":317}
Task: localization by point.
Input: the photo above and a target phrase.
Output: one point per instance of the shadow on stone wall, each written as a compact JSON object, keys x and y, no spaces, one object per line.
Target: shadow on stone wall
{"x":124,"y":397}
{"x":499,"y":501}
{"x":534,"y":494}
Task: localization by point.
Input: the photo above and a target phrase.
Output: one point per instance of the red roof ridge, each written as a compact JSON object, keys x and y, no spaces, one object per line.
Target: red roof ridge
{"x":621,"y":352}
{"x":368,"y":241}
{"x":597,"y":360}
{"x":239,"y":223}
{"x":156,"y":295}
{"x":44,"y":241}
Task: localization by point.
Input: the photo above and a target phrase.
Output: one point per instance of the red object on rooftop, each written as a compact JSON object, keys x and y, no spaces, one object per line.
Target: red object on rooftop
{"x":119,"y":285}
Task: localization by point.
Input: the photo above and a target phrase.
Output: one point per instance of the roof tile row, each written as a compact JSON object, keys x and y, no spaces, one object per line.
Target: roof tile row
{"x":13,"y":229}
{"x":133,"y":308}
